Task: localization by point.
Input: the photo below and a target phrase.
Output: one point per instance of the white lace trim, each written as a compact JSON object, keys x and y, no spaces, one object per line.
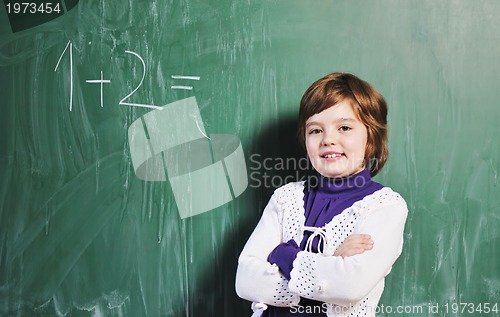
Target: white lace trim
{"x":292,"y":213}
{"x":331,"y":235}
{"x":282,"y":296}
{"x":290,"y":197}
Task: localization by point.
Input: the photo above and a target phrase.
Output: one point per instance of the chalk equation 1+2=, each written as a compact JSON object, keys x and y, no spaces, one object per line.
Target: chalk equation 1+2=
{"x":177,"y":148}
{"x":102,"y":81}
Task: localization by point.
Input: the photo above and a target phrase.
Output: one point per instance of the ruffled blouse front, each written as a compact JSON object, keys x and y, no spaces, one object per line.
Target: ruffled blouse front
{"x":324,"y":198}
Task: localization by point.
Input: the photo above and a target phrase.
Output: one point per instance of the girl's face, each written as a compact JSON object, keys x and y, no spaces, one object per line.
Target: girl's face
{"x":336,"y":141}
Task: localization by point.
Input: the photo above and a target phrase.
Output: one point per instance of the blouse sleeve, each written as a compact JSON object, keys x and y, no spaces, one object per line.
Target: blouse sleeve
{"x":257,"y":280}
{"x":344,"y":281}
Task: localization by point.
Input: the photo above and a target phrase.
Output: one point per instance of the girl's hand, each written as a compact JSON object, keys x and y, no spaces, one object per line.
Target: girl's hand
{"x":354,"y":244}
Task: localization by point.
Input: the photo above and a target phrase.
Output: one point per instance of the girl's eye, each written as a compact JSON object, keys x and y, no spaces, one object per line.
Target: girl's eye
{"x":345,"y":128}
{"x":315,"y":131}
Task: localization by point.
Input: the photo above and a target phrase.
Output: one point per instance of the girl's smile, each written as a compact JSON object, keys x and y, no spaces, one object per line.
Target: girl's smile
{"x":336,"y":141}
{"x":330,"y":156}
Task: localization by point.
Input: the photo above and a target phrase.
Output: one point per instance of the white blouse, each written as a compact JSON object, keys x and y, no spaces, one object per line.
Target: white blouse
{"x":350,"y":286}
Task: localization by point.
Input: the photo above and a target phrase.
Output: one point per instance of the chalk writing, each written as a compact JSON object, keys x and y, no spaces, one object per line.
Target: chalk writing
{"x":184,"y":77}
{"x":100,"y":81}
{"x":70,"y":45}
{"x":124,"y":101}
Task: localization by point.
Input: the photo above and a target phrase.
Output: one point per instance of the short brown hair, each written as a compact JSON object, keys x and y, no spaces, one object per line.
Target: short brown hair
{"x":368,"y":105}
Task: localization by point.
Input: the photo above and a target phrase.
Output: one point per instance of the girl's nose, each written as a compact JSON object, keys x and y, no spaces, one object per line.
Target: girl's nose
{"x":329,"y":138}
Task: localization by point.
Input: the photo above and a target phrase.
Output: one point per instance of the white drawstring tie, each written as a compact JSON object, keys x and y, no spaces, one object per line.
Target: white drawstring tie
{"x":258,"y":309}
{"x":316,"y":232}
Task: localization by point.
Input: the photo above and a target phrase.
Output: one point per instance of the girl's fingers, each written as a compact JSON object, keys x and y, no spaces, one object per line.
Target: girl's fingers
{"x":355,"y":244}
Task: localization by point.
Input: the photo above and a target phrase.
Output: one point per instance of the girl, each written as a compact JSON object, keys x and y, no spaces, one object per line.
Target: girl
{"x":323,"y":246}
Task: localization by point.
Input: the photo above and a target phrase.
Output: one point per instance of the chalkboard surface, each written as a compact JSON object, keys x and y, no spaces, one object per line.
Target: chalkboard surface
{"x":82,"y":233}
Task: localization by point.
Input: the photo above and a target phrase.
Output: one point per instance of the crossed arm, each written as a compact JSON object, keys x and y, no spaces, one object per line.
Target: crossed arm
{"x":355,"y":267}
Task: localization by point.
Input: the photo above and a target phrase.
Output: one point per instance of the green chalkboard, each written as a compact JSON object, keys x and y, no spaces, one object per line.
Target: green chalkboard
{"x":101,"y":212}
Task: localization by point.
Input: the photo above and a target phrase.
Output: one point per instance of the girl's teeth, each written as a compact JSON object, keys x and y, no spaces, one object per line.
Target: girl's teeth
{"x":332,"y":155}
